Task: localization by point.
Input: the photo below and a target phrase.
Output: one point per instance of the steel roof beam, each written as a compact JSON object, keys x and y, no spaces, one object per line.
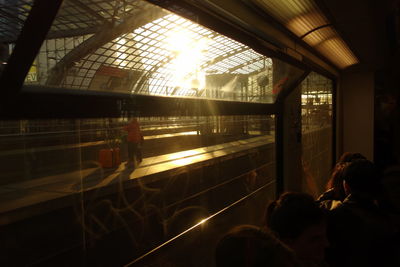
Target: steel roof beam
{"x":139,"y":18}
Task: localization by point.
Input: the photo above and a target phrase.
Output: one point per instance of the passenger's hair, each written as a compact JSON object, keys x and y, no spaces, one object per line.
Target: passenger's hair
{"x":336,"y":181}
{"x":362,"y":177}
{"x":350,"y":156}
{"x":249,"y":246}
{"x":290,"y":215}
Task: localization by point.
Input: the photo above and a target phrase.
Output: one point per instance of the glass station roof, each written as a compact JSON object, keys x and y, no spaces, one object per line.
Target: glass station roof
{"x":135,"y":47}
{"x":170,"y":51}
{"x":12,"y":17}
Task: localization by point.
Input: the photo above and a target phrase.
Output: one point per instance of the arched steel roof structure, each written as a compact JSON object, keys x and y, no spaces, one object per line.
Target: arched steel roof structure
{"x":162,"y":53}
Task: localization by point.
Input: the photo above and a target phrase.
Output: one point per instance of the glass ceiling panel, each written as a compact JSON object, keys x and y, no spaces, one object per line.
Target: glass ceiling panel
{"x":137,"y":48}
{"x":13,"y":14}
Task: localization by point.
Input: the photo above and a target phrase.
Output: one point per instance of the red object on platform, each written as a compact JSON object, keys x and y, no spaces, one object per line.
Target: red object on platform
{"x":109,"y":158}
{"x":116,"y":157}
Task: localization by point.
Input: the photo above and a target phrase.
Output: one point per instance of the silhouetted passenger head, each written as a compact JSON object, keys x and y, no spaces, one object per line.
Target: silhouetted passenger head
{"x":350,"y":156}
{"x":361,"y":176}
{"x":297,"y":220}
{"x":336,"y":181}
{"x":249,"y":246}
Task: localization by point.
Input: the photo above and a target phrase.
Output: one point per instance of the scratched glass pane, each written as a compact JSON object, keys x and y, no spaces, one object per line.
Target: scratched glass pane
{"x":116,"y":191}
{"x":316,"y":102}
{"x":75,"y":184}
{"x":40,"y":208}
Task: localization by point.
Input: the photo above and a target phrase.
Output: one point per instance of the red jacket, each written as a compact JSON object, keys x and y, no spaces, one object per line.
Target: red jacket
{"x":134,"y":133}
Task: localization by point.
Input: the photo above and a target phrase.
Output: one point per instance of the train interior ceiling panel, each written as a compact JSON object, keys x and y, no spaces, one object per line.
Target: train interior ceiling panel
{"x":135,"y":133}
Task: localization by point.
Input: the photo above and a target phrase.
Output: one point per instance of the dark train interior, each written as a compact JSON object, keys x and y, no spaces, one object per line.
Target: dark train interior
{"x":237,"y":101}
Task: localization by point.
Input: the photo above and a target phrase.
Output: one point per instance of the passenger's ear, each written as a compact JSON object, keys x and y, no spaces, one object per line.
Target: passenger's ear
{"x":347,"y":189}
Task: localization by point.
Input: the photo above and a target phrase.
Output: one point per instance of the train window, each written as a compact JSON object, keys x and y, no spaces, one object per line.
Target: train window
{"x":316,"y":103}
{"x":139,"y":48}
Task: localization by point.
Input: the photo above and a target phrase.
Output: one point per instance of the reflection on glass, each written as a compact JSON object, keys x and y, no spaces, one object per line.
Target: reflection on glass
{"x":34,"y":149}
{"x":79,"y":169}
{"x":316,"y":102}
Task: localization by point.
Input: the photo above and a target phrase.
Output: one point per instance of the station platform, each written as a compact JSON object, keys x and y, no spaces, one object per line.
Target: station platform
{"x":29,"y":198}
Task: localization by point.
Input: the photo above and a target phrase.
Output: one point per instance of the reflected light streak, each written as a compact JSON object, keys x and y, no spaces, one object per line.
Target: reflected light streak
{"x":169,"y":135}
{"x":182,"y":154}
{"x":230,"y":86}
{"x":201,"y":222}
{"x":252,"y":194}
{"x":187,"y":161}
{"x":211,"y":108}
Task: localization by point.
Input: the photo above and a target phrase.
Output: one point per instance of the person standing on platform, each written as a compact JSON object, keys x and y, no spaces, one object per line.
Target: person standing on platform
{"x":134,"y":140}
